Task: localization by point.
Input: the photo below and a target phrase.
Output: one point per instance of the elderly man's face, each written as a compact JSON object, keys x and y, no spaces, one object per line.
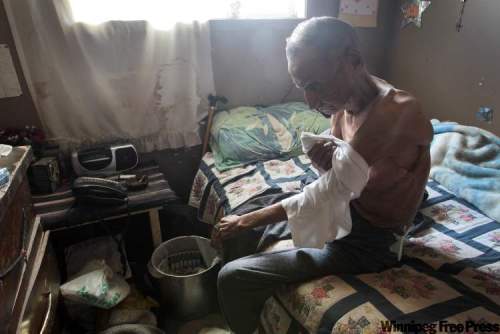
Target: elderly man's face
{"x":325,"y":82}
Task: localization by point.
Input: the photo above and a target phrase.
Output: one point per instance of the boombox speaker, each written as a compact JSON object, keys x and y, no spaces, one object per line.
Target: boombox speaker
{"x":104,"y":160}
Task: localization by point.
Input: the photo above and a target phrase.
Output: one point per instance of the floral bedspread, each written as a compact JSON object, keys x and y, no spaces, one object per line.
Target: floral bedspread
{"x":449,"y":276}
{"x":216,"y":193}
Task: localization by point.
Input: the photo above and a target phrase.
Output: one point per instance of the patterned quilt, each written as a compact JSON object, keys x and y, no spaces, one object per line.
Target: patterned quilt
{"x":217,"y":193}
{"x":448,"y":281}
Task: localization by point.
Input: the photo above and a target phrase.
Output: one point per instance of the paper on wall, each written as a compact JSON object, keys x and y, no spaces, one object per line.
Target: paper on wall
{"x":359,"y":13}
{"x":9,"y":83}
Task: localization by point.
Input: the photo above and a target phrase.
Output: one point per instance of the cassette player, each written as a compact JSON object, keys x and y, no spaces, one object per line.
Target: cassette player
{"x":106,"y":160}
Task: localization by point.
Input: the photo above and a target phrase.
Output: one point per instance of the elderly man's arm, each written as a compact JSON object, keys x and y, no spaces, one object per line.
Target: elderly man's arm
{"x":322,"y":152}
{"x":401,"y":176}
{"x":392,"y":184}
{"x":233,"y":224}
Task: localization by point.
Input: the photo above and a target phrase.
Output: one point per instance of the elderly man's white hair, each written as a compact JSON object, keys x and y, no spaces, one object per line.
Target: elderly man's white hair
{"x":327,"y":34}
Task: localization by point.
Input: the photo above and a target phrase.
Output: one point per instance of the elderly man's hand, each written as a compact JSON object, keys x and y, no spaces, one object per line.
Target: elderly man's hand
{"x":321,"y":155}
{"x":228,"y":227}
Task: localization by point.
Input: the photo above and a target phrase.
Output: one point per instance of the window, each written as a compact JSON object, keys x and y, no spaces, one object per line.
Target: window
{"x":164,"y":12}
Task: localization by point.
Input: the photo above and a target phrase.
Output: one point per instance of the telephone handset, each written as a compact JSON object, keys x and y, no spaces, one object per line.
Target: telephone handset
{"x":98,"y":191}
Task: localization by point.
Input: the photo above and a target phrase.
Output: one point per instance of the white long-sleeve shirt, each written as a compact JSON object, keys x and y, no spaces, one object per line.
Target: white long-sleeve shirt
{"x":321,"y":212}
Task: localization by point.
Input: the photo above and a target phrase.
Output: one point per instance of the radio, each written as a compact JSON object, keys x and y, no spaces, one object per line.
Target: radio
{"x":104,"y":160}
{"x":45,"y":175}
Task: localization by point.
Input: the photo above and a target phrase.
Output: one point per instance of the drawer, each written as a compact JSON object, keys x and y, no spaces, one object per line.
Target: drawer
{"x":18,"y":237}
{"x":38,"y":307}
{"x":28,"y":268}
{"x":16,"y":222}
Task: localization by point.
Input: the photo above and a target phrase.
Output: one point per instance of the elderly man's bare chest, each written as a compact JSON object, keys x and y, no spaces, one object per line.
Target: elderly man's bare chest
{"x":350,"y":123}
{"x":376,"y":133}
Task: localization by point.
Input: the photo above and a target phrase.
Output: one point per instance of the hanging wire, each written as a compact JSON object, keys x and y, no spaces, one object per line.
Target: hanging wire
{"x":459,"y":24}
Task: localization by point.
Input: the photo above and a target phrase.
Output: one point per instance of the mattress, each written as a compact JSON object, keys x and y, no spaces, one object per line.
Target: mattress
{"x":449,"y":275}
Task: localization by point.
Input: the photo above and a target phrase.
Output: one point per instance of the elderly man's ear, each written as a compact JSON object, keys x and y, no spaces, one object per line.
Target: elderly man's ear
{"x":350,"y":63}
{"x":349,"y":56}
{"x":350,"y":59}
{"x":354,"y":57}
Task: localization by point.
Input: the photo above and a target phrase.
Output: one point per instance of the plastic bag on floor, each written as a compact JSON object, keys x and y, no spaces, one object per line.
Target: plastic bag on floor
{"x":133,"y":329}
{"x":96,"y":285}
{"x":103,"y":248}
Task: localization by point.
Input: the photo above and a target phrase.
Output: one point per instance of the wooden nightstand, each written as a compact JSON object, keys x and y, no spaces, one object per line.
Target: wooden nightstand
{"x":23,"y":247}
{"x":58,"y":210}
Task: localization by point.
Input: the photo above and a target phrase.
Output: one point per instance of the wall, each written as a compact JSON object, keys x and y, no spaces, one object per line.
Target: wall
{"x":249,"y":60}
{"x":249,"y":56}
{"x":15,"y":111}
{"x":452,"y":73}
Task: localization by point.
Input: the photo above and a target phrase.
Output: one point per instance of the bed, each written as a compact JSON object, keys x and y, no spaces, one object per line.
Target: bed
{"x":449,"y":275}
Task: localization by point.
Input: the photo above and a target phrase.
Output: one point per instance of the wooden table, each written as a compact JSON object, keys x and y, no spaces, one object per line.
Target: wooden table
{"x":60,"y":210}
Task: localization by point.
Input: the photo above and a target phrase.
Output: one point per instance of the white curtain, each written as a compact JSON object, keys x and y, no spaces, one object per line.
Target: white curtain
{"x":113,"y":81}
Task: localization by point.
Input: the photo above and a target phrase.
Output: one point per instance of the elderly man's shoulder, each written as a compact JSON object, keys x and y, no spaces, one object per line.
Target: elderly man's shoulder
{"x":400,"y":102}
{"x":406,"y":114}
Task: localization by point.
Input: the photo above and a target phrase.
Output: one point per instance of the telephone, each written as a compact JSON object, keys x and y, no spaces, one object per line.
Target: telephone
{"x":98,"y":191}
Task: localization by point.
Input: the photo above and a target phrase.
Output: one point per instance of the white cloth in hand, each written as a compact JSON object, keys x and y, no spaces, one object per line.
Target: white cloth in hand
{"x":321,"y":212}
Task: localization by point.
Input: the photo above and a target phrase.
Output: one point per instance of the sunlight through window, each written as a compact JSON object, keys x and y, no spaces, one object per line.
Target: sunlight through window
{"x":162,"y":12}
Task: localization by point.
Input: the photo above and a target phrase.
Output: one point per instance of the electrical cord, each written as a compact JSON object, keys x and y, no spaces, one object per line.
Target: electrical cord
{"x":120,"y":243}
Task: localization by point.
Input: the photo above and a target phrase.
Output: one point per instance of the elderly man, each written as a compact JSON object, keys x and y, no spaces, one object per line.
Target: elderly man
{"x":385,"y":126}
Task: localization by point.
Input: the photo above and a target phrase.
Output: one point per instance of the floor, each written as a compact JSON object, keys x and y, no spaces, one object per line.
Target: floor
{"x":211,"y":324}
{"x":175,"y":222}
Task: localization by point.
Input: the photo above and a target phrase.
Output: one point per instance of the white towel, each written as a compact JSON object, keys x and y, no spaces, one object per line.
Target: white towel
{"x":321,"y":213}
{"x":5,"y":150}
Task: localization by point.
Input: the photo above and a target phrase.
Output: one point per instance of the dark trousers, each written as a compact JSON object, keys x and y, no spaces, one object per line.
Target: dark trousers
{"x":246,"y":283}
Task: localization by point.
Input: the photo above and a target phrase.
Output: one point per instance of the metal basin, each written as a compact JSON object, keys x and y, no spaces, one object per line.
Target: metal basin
{"x":186,"y":269}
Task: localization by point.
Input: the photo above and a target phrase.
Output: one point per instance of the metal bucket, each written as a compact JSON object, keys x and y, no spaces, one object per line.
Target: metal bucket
{"x":186,"y":271}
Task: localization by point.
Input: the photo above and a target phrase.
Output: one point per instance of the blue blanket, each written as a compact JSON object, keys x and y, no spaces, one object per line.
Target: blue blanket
{"x":466,"y":160}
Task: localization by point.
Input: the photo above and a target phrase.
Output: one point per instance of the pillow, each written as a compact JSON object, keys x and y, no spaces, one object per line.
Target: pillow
{"x":246,"y":135}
